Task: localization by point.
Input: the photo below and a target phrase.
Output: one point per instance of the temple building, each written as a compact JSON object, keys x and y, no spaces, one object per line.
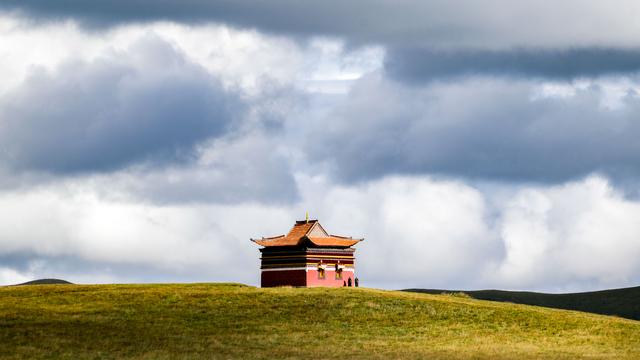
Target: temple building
{"x":307,"y":256}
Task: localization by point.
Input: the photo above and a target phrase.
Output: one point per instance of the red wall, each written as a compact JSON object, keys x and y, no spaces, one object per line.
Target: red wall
{"x":302,"y":278}
{"x":329,"y":278}
{"x":283,"y":278}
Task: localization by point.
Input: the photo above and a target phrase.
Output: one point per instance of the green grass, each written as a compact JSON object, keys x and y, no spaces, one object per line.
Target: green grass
{"x":619,"y":302}
{"x":236,"y":321}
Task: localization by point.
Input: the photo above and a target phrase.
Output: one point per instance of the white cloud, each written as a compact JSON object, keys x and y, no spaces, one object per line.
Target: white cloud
{"x":244,"y":59}
{"x":10,"y":276}
{"x":423,"y":232}
{"x":570,"y":235}
{"x":107,"y":237}
{"x":420,"y":232}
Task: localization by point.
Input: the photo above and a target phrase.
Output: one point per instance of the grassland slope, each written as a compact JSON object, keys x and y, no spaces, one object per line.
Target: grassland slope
{"x":206,"y":321}
{"x":619,"y":302}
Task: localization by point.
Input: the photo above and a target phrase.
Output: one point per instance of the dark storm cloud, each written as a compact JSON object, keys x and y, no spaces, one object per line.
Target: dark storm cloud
{"x":443,"y":22}
{"x":419,"y":65}
{"x":283,"y":16}
{"x":479,"y":37}
{"x":479,"y":128}
{"x":144,"y":104}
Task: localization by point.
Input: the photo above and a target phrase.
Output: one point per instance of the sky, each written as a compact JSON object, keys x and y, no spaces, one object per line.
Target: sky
{"x":472,"y":144}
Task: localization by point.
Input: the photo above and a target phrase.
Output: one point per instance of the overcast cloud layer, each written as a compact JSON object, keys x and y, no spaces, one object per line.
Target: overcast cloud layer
{"x":494,"y":23}
{"x":416,"y":65}
{"x":479,"y":128}
{"x":473,"y":145}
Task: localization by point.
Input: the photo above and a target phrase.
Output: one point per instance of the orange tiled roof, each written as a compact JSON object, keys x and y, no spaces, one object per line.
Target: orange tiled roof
{"x":299,"y":233}
{"x":301,"y":228}
{"x":333,"y":241}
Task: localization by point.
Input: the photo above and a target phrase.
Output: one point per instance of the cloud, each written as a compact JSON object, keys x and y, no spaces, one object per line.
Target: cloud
{"x":495,"y":23}
{"x":415,"y":65}
{"x":246,"y":167}
{"x":239,"y":59}
{"x":164,"y":113}
{"x":425,"y":232}
{"x":577,"y":233}
{"x":457,"y":158}
{"x":76,"y":235}
{"x":478,"y":128}
{"x":420,"y":232}
{"x":10,"y":276}
{"x":147,"y":103}
{"x":424,"y":39}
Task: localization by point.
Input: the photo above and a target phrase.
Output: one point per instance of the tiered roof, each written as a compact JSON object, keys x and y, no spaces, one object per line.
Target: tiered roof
{"x":307,"y":231}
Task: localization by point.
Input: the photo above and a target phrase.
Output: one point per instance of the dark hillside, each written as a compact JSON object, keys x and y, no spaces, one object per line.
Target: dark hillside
{"x":46,"y":282}
{"x":619,"y":302}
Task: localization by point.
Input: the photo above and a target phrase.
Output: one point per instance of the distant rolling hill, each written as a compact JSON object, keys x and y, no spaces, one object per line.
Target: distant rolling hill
{"x":46,"y":282}
{"x":232,"y":321}
{"x":619,"y":302}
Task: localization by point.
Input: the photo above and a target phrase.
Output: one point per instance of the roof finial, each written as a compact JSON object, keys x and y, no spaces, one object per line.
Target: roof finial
{"x":306,"y":216}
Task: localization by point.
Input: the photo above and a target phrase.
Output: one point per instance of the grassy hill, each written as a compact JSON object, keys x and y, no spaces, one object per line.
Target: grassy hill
{"x":237,"y":321}
{"x":620,"y":302}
